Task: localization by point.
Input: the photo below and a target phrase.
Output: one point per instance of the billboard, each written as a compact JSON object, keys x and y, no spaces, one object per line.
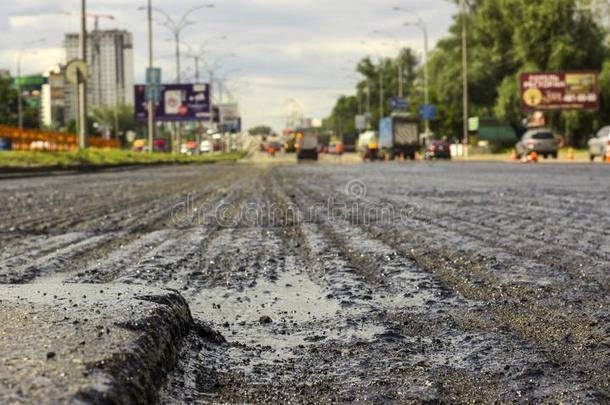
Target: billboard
{"x":177,"y":102}
{"x":559,"y":91}
{"x":229,"y":113}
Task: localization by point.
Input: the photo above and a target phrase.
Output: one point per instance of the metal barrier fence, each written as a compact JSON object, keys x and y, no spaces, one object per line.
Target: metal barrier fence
{"x":33,"y":139}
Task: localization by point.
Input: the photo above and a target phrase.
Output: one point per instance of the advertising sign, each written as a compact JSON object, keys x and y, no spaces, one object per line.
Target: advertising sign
{"x":559,"y":91}
{"x":177,"y":102}
{"x":229,"y":113}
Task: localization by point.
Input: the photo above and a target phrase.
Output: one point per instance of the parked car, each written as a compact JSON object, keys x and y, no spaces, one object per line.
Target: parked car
{"x":599,"y":144}
{"x":438,"y":149}
{"x":205,"y":147}
{"x":539,"y":140}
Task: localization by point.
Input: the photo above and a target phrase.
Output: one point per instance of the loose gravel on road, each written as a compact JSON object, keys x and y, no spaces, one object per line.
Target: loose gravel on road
{"x":314,"y":283}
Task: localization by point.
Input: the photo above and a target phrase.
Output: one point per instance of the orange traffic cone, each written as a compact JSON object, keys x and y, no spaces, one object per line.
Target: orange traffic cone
{"x":513,"y":156}
{"x":417,"y":157}
{"x":570,"y":154}
{"x":534,"y":156}
{"x":607,"y":157}
{"x":402,"y":157}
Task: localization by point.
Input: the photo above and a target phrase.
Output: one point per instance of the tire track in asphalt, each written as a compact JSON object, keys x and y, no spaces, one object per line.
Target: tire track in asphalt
{"x":545,"y":324}
{"x":323,"y":239}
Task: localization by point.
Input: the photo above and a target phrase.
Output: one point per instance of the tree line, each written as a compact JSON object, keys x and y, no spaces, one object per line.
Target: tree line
{"x":505,"y":38}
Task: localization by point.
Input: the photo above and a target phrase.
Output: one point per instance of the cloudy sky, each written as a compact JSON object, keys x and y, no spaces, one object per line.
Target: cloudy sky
{"x":300,"y":50}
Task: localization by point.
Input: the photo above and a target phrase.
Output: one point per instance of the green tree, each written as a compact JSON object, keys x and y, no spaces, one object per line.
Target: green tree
{"x":506,"y":37}
{"x":116,"y":118}
{"x":369,"y":90}
{"x":261,"y":130}
{"x":8,"y":107}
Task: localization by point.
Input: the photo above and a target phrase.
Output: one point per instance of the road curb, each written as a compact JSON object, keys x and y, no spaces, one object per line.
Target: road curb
{"x":14,"y":173}
{"x":117,"y":346}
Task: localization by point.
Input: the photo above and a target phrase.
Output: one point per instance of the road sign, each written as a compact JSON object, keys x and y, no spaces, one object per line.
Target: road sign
{"x":76,"y":70}
{"x":361,"y":121}
{"x":153,"y":84}
{"x":399,"y":103}
{"x":153,"y":93}
{"x":229,"y":113}
{"x":473,"y":124}
{"x":153,"y":76}
{"x":427,"y":112}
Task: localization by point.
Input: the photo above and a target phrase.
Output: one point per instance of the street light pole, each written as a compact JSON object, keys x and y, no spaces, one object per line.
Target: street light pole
{"x":176,"y":27}
{"x":151,"y":102}
{"x":465,"y":75}
{"x":376,"y":50}
{"x":211,"y":69}
{"x":197,"y":55}
{"x":422,"y":25}
{"x":82,"y":85}
{"x":400,"y":60}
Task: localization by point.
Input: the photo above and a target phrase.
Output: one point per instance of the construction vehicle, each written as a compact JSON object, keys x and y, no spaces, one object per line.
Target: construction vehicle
{"x":368,"y":145}
{"x":307,"y":144}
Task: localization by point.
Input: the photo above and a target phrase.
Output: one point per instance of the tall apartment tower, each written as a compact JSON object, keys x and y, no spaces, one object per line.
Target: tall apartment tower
{"x":111,"y":70}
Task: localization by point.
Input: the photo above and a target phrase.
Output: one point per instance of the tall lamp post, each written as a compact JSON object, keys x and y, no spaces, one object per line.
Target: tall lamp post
{"x":150,"y":102}
{"x":18,"y":81}
{"x":82,"y":85}
{"x":211,"y":70}
{"x":464,"y":5}
{"x":400,"y":60}
{"x":421,"y":25}
{"x":376,"y":50}
{"x":197,"y":55}
{"x":176,"y":28}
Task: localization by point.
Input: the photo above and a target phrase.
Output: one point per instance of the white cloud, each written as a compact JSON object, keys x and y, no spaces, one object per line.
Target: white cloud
{"x":299,"y":49}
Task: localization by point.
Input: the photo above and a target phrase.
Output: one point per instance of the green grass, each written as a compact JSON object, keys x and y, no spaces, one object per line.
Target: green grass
{"x":92,"y":157}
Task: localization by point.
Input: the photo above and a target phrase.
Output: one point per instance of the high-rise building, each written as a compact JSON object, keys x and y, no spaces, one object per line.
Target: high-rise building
{"x":110,"y":60}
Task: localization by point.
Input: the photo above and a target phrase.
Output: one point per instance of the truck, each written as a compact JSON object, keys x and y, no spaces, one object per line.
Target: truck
{"x":399,"y":135}
{"x":368,"y":145}
{"x":307,"y":144}
{"x":349,"y":141}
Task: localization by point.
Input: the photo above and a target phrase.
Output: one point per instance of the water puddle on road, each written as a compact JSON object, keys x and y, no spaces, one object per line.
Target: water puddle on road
{"x":299,"y":312}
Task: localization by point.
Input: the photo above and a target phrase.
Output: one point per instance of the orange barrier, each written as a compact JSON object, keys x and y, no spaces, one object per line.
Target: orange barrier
{"x":34,"y":139}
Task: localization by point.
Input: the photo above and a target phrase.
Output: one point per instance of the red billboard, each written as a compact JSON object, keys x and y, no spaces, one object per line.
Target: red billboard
{"x":559,"y":91}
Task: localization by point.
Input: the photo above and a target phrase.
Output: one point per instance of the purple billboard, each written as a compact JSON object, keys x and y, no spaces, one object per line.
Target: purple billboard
{"x":177,"y":102}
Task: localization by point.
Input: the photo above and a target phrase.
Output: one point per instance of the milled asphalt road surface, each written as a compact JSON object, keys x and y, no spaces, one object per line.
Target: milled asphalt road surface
{"x":315,"y":283}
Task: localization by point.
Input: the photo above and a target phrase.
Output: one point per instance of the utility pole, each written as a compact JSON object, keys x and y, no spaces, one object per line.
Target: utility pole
{"x":376,"y":50}
{"x":19,"y":101}
{"x":151,"y":103}
{"x":196,"y":59}
{"x":422,"y":25}
{"x":82,"y":85}
{"x":211,"y":106}
{"x":381,"y":87}
{"x":176,"y":27}
{"x":400,"y":60}
{"x":465,"y":75}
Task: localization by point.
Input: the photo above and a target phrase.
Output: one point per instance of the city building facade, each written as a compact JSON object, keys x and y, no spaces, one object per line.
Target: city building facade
{"x":111,"y":69}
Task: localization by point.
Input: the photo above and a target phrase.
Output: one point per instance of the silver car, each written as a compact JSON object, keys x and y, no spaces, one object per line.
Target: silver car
{"x":540,"y":140}
{"x":599,"y":143}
